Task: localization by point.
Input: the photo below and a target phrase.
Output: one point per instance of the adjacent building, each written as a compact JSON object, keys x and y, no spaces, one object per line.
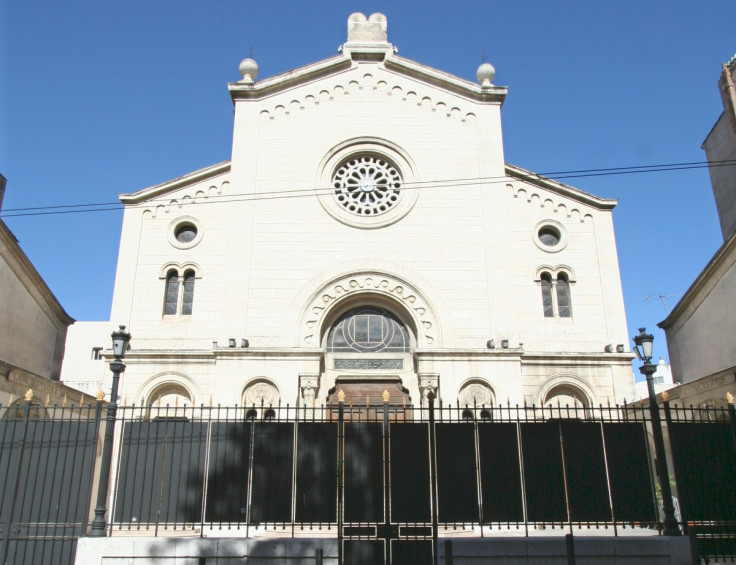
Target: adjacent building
{"x":701,"y":326}
{"x":33,"y":330}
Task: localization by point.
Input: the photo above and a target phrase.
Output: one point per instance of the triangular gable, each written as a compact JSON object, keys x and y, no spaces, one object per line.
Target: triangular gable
{"x":561,"y":189}
{"x":194,"y":179}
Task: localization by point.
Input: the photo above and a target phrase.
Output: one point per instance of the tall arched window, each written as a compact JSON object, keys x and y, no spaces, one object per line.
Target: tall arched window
{"x":556,"y":300}
{"x":188,"y":297}
{"x":171,"y":298}
{"x":368,"y":329}
{"x":547,"y":296}
{"x":563,"y":296}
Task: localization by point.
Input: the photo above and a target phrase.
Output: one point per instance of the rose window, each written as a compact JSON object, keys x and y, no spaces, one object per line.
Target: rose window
{"x":367,"y":185}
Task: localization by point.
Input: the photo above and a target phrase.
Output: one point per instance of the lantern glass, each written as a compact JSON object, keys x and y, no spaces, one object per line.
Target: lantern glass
{"x":120,"y":339}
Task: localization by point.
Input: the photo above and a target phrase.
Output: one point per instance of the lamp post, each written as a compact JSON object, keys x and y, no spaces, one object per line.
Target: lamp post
{"x":643,"y":350}
{"x":120,"y":340}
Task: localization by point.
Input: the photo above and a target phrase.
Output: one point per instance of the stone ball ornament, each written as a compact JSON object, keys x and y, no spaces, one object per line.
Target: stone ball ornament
{"x":485,"y":74}
{"x":248,"y":70}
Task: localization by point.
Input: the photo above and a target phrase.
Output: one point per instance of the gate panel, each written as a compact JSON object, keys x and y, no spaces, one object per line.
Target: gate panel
{"x":457,"y":482}
{"x":410,"y":489}
{"x":364,"y":552}
{"x":705,"y":464}
{"x":273,"y":449}
{"x":411,"y":552}
{"x":543,"y":476}
{"x":316,"y":472}
{"x":500,"y":473}
{"x":628,"y":470}
{"x":45,"y":490}
{"x":161,"y":472}
{"x":585,"y":468}
{"x":363,"y":481}
{"x":227,"y":475}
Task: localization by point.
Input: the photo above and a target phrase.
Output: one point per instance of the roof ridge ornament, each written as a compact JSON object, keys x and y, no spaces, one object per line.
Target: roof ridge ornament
{"x":367,"y":34}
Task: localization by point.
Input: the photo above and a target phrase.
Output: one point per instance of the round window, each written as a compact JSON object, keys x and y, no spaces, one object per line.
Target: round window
{"x":185,"y":233}
{"x":362,"y":183}
{"x":367,"y":185}
{"x":549,"y":236}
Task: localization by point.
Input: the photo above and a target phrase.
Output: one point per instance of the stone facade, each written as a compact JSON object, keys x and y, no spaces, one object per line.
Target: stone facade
{"x":367,"y":180}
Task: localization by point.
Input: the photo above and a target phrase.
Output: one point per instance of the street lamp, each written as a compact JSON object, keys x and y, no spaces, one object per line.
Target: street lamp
{"x":643,"y":351}
{"x":120,"y":340}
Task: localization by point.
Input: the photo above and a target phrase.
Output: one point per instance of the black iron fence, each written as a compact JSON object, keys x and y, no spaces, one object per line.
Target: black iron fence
{"x":47,"y":460}
{"x":384,"y":479}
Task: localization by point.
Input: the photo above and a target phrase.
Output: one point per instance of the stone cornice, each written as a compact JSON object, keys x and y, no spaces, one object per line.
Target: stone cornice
{"x":146,"y":194}
{"x":29,"y":277}
{"x":527,"y":357}
{"x":210,"y":355}
{"x":392,"y":63}
{"x":708,"y":278}
{"x":560,"y":188}
{"x":446,"y":81}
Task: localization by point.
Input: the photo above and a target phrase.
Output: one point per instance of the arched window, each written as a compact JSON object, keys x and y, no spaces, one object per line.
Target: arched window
{"x":171,"y":297}
{"x":188,"y":297}
{"x":368,"y":329}
{"x":563,"y":296}
{"x":176,"y":302}
{"x":556,"y":295}
{"x":547,"y":295}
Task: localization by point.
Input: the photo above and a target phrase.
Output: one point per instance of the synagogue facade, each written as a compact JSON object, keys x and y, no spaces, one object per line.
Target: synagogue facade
{"x":368,"y":235}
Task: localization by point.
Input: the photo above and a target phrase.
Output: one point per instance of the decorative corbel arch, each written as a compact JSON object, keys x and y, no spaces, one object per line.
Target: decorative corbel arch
{"x":554,"y":271}
{"x":397,"y":291}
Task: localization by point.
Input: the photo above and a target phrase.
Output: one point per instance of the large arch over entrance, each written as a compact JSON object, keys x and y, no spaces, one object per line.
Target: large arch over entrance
{"x":368,"y":288}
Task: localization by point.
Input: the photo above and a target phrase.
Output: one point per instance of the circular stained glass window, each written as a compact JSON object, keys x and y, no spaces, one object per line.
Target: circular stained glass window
{"x":367,"y":185}
{"x":549,"y":236}
{"x":185,"y":233}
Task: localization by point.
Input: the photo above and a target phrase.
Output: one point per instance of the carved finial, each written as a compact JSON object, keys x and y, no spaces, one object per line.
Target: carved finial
{"x":729,"y":397}
{"x":386,"y":395}
{"x":29,"y":395}
{"x":341,"y":395}
{"x":665,"y":396}
{"x":100,"y":395}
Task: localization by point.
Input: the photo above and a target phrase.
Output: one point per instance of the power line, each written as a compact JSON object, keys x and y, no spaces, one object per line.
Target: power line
{"x":309,"y":192}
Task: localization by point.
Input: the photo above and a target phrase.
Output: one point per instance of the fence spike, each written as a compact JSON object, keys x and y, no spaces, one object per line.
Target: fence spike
{"x":47,"y":399}
{"x":729,"y":397}
{"x":100,"y":395}
{"x":63,"y":401}
{"x":29,"y":395}
{"x":386,"y":395}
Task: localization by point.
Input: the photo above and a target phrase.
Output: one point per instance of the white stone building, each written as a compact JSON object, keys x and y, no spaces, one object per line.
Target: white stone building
{"x":367,"y":234}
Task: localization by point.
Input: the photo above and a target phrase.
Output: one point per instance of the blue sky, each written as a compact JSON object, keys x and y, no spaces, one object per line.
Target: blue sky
{"x":99,"y":98}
